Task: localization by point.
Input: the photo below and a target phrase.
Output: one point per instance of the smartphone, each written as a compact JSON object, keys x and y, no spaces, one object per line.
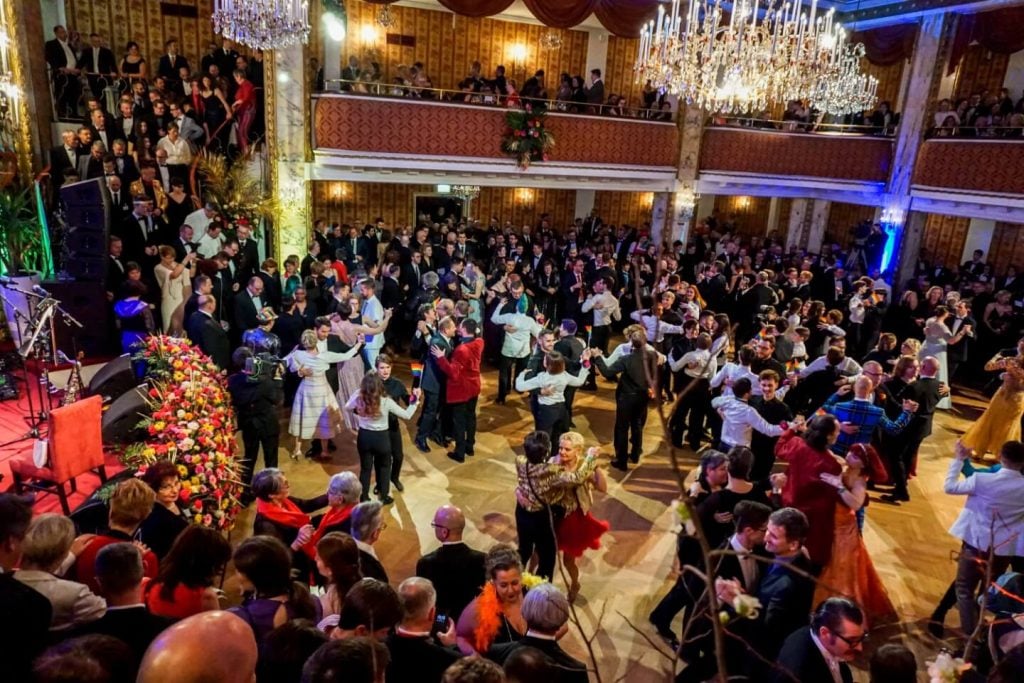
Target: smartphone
{"x":440,"y":624}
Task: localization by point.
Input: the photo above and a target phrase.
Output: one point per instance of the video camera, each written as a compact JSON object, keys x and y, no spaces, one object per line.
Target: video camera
{"x":264,"y":366}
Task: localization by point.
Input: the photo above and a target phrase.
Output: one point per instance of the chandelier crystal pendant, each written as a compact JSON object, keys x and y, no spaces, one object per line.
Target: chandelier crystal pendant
{"x":262,"y":24}
{"x":384,"y":18}
{"x":466,"y":192}
{"x":740,"y":63}
{"x":551,"y":41}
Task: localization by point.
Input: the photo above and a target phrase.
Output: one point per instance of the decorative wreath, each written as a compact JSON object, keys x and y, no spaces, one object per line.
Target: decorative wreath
{"x":192,"y":426}
{"x":526,"y":139}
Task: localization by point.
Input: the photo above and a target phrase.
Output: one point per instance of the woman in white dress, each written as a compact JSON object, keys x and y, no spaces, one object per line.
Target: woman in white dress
{"x":315,"y":411}
{"x":937,"y":337}
{"x":175,"y":280}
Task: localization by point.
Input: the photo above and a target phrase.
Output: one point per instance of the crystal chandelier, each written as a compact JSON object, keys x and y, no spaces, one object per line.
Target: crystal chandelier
{"x":551,"y":41}
{"x":384,"y":17}
{"x":262,"y":24}
{"x":742,"y":65}
{"x":466,"y":192}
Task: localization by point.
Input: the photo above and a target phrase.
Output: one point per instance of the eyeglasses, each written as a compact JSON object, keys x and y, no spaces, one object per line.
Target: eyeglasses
{"x":856,"y":641}
{"x":439,"y":526}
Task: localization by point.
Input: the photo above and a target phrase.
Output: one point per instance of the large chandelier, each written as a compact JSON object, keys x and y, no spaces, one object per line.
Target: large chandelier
{"x":739,"y":64}
{"x":262,"y":24}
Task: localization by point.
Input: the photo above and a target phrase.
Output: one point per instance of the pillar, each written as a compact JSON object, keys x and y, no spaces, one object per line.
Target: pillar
{"x":909,"y":246}
{"x":661,"y":215}
{"x":979,"y":236}
{"x":584,"y":203}
{"x":773,"y":216}
{"x":33,"y":108}
{"x":691,"y":124}
{"x":705,"y":206}
{"x":818,"y":225}
{"x":597,"y":56}
{"x":798,"y":211}
{"x":331,"y":60}
{"x":288,"y":136}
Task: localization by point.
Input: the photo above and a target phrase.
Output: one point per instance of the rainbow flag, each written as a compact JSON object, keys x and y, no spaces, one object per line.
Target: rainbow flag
{"x":587,"y":328}
{"x":417,"y":370}
{"x":792,"y":365}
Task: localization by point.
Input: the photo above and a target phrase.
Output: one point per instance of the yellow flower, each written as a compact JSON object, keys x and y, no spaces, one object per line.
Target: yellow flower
{"x":182,"y":471}
{"x":197,"y":519}
{"x":149,"y":452}
{"x":159,"y":425}
{"x":531,"y":580}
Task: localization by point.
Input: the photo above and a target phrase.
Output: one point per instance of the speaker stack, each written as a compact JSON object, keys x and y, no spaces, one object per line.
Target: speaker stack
{"x":87,"y":220}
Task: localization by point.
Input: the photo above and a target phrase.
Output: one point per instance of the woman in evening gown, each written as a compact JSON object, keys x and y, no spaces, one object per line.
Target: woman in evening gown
{"x":350,"y":373}
{"x":1001,"y":420}
{"x":850,"y":571}
{"x":936,"y":338}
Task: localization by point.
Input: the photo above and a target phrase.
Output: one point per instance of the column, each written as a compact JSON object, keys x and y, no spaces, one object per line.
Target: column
{"x":691,"y":125}
{"x":773,"y":216}
{"x":32,"y":110}
{"x":818,"y":225}
{"x":705,"y":206}
{"x":584,"y":203}
{"x":597,"y":54}
{"x":979,"y":236}
{"x":660,"y":213}
{"x":332,"y":62}
{"x":798,"y":211}
{"x":924,"y":82}
{"x":288,"y":118}
{"x":909,"y":245}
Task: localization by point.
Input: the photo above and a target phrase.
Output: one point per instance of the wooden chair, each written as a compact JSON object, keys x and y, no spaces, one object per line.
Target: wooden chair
{"x":75,"y":447}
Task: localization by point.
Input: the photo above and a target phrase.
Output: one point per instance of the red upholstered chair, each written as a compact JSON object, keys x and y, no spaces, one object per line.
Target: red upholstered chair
{"x":75,"y":447}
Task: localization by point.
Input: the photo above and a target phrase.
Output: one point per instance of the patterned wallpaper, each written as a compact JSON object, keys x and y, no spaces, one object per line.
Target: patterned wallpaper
{"x":623,"y":208}
{"x":980,"y":70}
{"x":447,"y":44}
{"x":843,"y":217}
{"x":985,"y":166}
{"x":751,"y":213}
{"x":1007,"y":248}
{"x":618,"y":76}
{"x":944,"y":238}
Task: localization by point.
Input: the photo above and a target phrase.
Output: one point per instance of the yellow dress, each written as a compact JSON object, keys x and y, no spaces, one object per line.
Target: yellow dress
{"x":1001,"y":420}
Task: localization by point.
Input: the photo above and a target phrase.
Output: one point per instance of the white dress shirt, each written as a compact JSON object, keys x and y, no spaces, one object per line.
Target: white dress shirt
{"x":207,"y":246}
{"x":730,"y":372}
{"x":696,"y":364}
{"x":991,"y":496}
{"x":609,"y":310}
{"x":179,"y":153}
{"x":739,"y":420}
{"x":69,"y":54}
{"x":847,"y":366}
{"x":517,"y":342}
{"x":831,"y":662}
{"x":748,"y":565}
{"x":379,"y":423}
{"x":373,"y":315}
{"x":556,"y":384}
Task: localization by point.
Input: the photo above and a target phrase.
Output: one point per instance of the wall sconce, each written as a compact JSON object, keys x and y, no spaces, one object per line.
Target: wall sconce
{"x":518,"y":53}
{"x":646,"y":200}
{"x":335,"y":27}
{"x":338,"y":191}
{"x":368,"y":34}
{"x":524,"y":195}
{"x":743,"y":203}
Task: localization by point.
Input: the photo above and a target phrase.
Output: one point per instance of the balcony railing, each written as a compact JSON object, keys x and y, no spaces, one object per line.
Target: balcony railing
{"x":799,"y":126}
{"x":827,"y":156}
{"x":987,"y":166}
{"x":415,"y":127}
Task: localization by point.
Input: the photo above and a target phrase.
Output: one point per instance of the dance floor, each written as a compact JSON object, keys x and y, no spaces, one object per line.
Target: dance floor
{"x":627,"y":576}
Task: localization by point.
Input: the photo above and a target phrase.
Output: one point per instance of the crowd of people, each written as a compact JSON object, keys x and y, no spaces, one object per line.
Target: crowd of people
{"x":573,"y":94}
{"x":982,"y":115}
{"x":795,"y":376}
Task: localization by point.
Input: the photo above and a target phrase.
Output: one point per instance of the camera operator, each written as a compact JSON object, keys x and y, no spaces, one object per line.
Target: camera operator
{"x":260,"y":340}
{"x":257,"y":392}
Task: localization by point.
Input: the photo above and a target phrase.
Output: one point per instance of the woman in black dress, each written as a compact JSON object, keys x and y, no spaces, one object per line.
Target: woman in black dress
{"x":216,"y":114}
{"x":166,"y":520}
{"x":179,"y":205}
{"x":133,"y":65}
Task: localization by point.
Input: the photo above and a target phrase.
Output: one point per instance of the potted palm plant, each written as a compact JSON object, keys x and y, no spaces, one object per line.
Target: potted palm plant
{"x":21,"y":251}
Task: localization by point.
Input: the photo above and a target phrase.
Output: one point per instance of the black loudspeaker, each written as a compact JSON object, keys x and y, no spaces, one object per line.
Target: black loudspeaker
{"x":113,"y":379}
{"x":121,"y":420}
{"x":87,"y":303}
{"x":87,"y":221}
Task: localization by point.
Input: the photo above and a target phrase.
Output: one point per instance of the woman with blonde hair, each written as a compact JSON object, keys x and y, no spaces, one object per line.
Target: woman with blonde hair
{"x":175,"y":288}
{"x":315,"y":411}
{"x":579,"y":529}
{"x":371,"y":407}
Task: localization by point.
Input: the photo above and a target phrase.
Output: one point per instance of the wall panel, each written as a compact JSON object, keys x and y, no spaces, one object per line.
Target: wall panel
{"x":842,"y":218}
{"x":1007,"y":247}
{"x":750,"y":214}
{"x":944,"y":238}
{"x":623,"y":208}
{"x":980,"y":71}
{"x":619,"y":78}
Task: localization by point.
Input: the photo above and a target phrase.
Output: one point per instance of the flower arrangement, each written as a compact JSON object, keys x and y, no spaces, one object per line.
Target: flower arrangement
{"x":946,"y":668}
{"x":526,"y":139}
{"x":192,"y":426}
{"x":235,"y":192}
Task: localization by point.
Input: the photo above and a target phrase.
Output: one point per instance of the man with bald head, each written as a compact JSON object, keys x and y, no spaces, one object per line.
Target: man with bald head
{"x":862,"y":413}
{"x":455,"y":569}
{"x":926,"y":391}
{"x":183,"y":652}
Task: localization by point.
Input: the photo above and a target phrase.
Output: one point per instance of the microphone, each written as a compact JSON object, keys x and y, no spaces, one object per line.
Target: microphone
{"x":40,"y":291}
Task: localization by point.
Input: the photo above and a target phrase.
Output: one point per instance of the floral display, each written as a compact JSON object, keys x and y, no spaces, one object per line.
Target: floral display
{"x":235,"y":192}
{"x":946,"y":668}
{"x":193,"y":426}
{"x":526,"y":139}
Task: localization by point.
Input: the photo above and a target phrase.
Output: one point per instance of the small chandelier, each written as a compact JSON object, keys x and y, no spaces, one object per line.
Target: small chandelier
{"x":466,"y":192}
{"x":744,"y":64}
{"x":262,"y":24}
{"x":384,"y":17}
{"x":551,"y":41}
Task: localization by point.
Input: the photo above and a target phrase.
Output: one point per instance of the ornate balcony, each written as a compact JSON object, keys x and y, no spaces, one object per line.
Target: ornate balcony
{"x":972,"y":166}
{"x":358,"y":137}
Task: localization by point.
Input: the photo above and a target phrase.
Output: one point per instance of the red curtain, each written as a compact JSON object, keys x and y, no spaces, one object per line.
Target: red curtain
{"x":625,"y":19}
{"x":889,"y":44}
{"x":1000,"y":31}
{"x":561,"y":13}
{"x":475,"y":8}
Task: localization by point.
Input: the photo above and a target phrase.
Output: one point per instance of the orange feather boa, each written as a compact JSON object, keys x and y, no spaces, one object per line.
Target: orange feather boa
{"x":488,"y":618}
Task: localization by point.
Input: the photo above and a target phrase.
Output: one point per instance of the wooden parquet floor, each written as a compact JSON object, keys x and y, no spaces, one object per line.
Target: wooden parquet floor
{"x":625,"y":578}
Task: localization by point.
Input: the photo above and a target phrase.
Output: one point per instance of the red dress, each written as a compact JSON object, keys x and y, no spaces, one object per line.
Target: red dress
{"x":805,"y":491}
{"x":184,"y":603}
{"x":579,"y":531}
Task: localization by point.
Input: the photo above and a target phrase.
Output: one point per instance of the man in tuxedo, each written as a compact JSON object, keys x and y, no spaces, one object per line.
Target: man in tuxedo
{"x":711,"y":285}
{"x":63,"y":63}
{"x":225,"y":58}
{"x":574,"y":292}
{"x":311,"y":257}
{"x":120,"y":205}
{"x":455,"y":569}
{"x":138,"y":232}
{"x":958,"y":350}
{"x":248,"y":304}
{"x":412,"y":273}
{"x":183,"y":245}
{"x":248,"y":258}
{"x":98,"y":125}
{"x":119,"y":573}
{"x":91,"y":165}
{"x":355,"y":249}
{"x":546,"y":611}
{"x":433,"y":384}
{"x":99,"y":65}
{"x":823,"y":651}
{"x":271,"y":283}
{"x":124,"y":164}
{"x":976,"y":266}
{"x":187,"y":127}
{"x":27,"y":613}
{"x":208,"y":334}
{"x":124,"y":122}
{"x":171,"y":63}
{"x":418,"y":651}
{"x":116,"y":273}
{"x":595,"y":93}
{"x":926,"y":391}
{"x":63,"y":157}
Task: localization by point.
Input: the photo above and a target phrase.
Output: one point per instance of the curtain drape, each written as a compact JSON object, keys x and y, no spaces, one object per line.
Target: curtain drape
{"x":561,"y":13}
{"x":476,"y":8}
{"x":1000,"y":31}
{"x":889,"y":44}
{"x":625,"y":19}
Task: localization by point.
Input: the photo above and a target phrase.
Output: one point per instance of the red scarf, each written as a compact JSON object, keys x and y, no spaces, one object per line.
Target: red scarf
{"x":286,"y":514}
{"x":333,"y":517}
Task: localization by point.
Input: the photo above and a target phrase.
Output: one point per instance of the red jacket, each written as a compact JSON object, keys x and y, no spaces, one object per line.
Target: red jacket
{"x":805,"y":491}
{"x":463,"y":371}
{"x":84,"y":570}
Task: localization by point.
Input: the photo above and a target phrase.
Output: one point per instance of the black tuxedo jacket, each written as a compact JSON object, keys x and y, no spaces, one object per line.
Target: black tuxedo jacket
{"x":786,"y":600}
{"x":179,"y":249}
{"x":272,"y":291}
{"x":305,"y":268}
{"x":55,"y":56}
{"x":133,"y":241}
{"x":209,"y":336}
{"x":924,"y":390}
{"x":335,"y":345}
{"x":800,"y":660}
{"x":169,"y":69}
{"x":418,"y":659}
{"x":390,"y":294}
{"x":128,"y":170}
{"x":122,"y":207}
{"x":961,"y":349}
{"x":115,"y":276}
{"x":571,"y":298}
{"x":23,"y":630}
{"x":569,"y":669}
{"x":371,"y":566}
{"x":59,"y":162}
{"x":247,"y":261}
{"x":457,"y":572}
{"x":135,"y":626}
{"x":245,"y":312}
{"x":107,"y":62}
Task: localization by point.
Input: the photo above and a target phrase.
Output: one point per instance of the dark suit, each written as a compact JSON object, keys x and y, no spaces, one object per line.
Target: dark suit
{"x":411,"y":275}
{"x":457,"y":572}
{"x":925,"y":391}
{"x":23,"y":630}
{"x":135,"y":626}
{"x":66,"y":87}
{"x":133,"y":239}
{"x":959,"y":352}
{"x":630,"y":403}
{"x":248,"y":260}
{"x":786,"y":599}
{"x":271,"y":289}
{"x":433,"y":384}
{"x":126,"y":168}
{"x":371,"y":567}
{"x":101,"y":67}
{"x":120,"y":206}
{"x":595,"y":94}
{"x":569,"y":669}
{"x":182,"y":249}
{"x":245,"y":312}
{"x":60,"y":162}
{"x":169,"y":69}
{"x":115,"y":276}
{"x":353,"y":247}
{"x":572,"y":299}
{"x":801,"y":660}
{"x":210,"y":337}
{"x":418,"y":659}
